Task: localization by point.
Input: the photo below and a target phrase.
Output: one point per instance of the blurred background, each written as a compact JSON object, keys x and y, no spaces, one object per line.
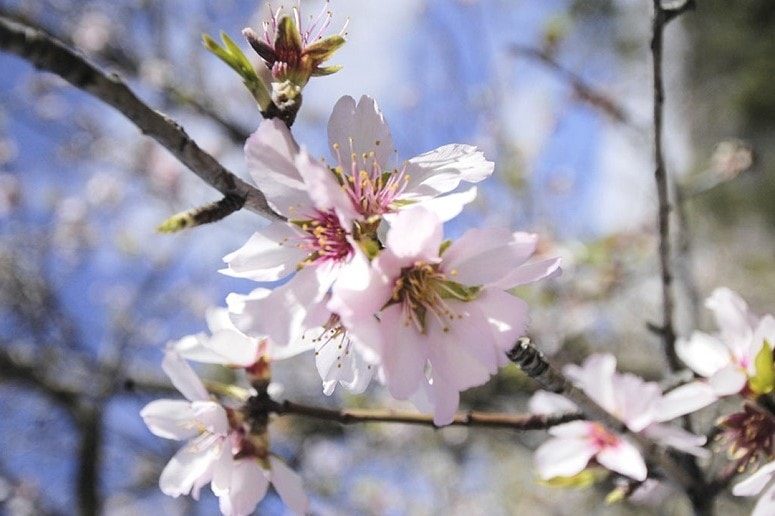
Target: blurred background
{"x":556,"y":92}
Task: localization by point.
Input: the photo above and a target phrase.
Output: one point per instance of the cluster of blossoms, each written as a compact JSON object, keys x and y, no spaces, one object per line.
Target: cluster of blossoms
{"x":369,"y":284}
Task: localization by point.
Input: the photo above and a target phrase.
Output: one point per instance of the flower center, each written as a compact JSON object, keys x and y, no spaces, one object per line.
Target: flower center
{"x":372,"y":190}
{"x":420,"y":291}
{"x":326,"y":239}
{"x":600,"y":437}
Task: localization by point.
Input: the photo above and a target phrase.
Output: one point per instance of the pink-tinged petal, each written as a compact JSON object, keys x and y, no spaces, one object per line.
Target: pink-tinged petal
{"x":484,"y":256}
{"x":360,"y":291}
{"x":455,"y":361}
{"x":678,"y":438}
{"x":248,"y":487}
{"x":685,"y":400}
{"x":270,"y":153}
{"x":269,"y":255}
{"x":703,"y":353}
{"x":595,"y":378}
{"x":211,"y":417}
{"x":183,"y":377}
{"x":403,"y":354}
{"x":188,"y":467}
{"x":546,"y":403}
{"x":473,"y":333}
{"x":447,"y":207}
{"x":733,"y":319}
{"x":324,"y":190}
{"x":282,"y":314}
{"x":530,"y":272}
{"x":414,"y":234}
{"x":170,"y":419}
{"x":340,"y":360}
{"x":623,"y":458}
{"x":573,"y":429}
{"x":442,"y":170}
{"x":222,"y":471}
{"x":563,"y":457}
{"x":444,"y":398}
{"x":635,"y":400}
{"x":360,"y":129}
{"x":289,"y":486}
{"x":507,"y":316}
{"x":754,"y":484}
{"x":729,"y":380}
{"x":766,"y":504}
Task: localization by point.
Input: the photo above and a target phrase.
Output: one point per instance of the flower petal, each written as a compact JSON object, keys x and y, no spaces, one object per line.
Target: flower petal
{"x":170,"y":419}
{"x":270,"y":153}
{"x":546,"y":403}
{"x":484,"y":256}
{"x":269,"y":255}
{"x":415,"y":234}
{"x":183,"y":377}
{"x":447,"y":207}
{"x":635,"y":400}
{"x":766,"y":504}
{"x":530,"y":272}
{"x":402,"y":353}
{"x":684,"y":400}
{"x":191,"y":466}
{"x":728,"y":380}
{"x":289,"y":486}
{"x":678,"y":438}
{"x":703,"y":353}
{"x":563,"y":457}
{"x":754,"y":484}
{"x":623,"y":458}
{"x":444,"y":398}
{"x":360,"y":129}
{"x":441,"y":170}
{"x":248,"y":487}
{"x":733,"y":319}
{"x":595,"y":377}
{"x":324,"y":190}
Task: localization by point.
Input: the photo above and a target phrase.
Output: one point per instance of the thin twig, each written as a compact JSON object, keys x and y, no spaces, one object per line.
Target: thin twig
{"x":49,"y":54}
{"x":660,"y":175}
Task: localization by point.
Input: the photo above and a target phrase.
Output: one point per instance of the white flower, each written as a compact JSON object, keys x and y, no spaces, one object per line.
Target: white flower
{"x":762,"y":480}
{"x":727,"y":359}
{"x":201,"y":421}
{"x":638,"y":404}
{"x":438,"y":318}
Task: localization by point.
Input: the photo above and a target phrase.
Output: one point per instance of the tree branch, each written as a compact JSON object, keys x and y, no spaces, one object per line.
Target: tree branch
{"x":51,"y":55}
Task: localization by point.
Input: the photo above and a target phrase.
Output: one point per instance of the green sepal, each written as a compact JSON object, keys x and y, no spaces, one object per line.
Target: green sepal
{"x":763,"y":380}
{"x":453,"y":290}
{"x":323,"y":49}
{"x":322,"y":71}
{"x":444,"y":246}
{"x":369,"y":247}
{"x":584,"y":479}
{"x":288,"y":35}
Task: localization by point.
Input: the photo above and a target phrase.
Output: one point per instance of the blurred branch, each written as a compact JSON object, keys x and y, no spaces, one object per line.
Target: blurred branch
{"x":350,"y":416}
{"x":90,"y":426}
{"x":13,"y":368}
{"x":51,"y":55}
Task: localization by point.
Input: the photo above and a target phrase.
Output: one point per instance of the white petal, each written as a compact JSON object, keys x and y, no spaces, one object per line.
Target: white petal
{"x":361,"y":290}
{"x":453,"y":359}
{"x":685,"y":400}
{"x":211,"y":417}
{"x":623,"y":458}
{"x":218,"y":318}
{"x":289,"y":486}
{"x":732,"y":315}
{"x":595,"y":378}
{"x":507,"y":315}
{"x":703,"y":353}
{"x":563,"y":457}
{"x":222,"y":471}
{"x":530,"y":272}
{"x":324,"y":190}
{"x":484,"y":256}
{"x":183,"y":377}
{"x":635,"y":400}
{"x":678,"y":438}
{"x":579,"y":429}
{"x":728,"y":380}
{"x":360,"y":130}
{"x":754,"y":484}
{"x":403,"y":354}
{"x":270,"y":153}
{"x":189,"y":467}
{"x":248,"y":487}
{"x":269,"y":255}
{"x":415,"y":234}
{"x":766,"y":504}
{"x":547,"y":403}
{"x":170,"y":419}
{"x":447,"y":207}
{"x":441,"y":170}
{"x":233,"y":348}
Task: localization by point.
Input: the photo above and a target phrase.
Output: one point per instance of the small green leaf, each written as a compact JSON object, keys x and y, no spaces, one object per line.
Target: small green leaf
{"x":322,"y":71}
{"x":176,"y":223}
{"x":323,"y":49}
{"x":453,"y":290}
{"x":444,"y":246}
{"x":584,"y":479}
{"x":763,"y":380}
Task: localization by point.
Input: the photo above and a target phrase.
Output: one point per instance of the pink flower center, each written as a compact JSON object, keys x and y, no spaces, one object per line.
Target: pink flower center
{"x":600,"y":437}
{"x":418,"y":290}
{"x":371,"y":190}
{"x":325,"y":240}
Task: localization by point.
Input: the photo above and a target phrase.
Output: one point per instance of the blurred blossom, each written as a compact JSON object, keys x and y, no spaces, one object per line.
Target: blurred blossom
{"x":72,"y":231}
{"x":8,"y":150}
{"x":92,"y":32}
{"x":163,"y":170}
{"x":103,"y":189}
{"x":155,"y":72}
{"x":732,"y":157}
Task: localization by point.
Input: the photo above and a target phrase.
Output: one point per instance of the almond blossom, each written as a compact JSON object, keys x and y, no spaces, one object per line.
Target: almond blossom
{"x":728,"y":359}
{"x":640,"y":405}
{"x":762,"y":480}
{"x":436,"y":314}
{"x":219,"y":449}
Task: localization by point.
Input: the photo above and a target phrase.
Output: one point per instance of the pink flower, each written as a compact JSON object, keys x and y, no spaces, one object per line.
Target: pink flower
{"x":638,"y":404}
{"x":377,"y":184}
{"x":437,"y":316}
{"x":760,"y":481}
{"x":727,"y":359}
